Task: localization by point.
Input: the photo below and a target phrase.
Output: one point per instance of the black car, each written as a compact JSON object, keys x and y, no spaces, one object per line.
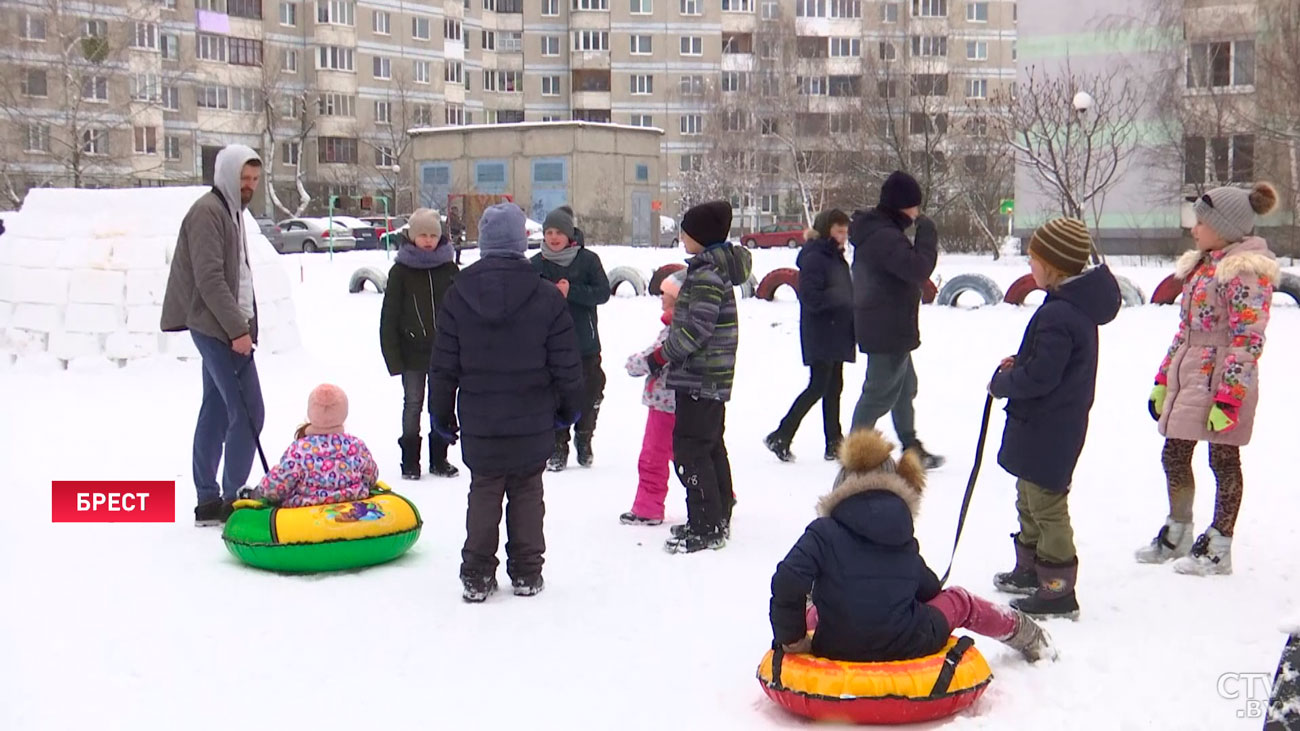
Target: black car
{"x":366,"y":235}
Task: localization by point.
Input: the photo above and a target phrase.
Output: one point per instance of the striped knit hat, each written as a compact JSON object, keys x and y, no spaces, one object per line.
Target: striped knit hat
{"x":1064,"y":243}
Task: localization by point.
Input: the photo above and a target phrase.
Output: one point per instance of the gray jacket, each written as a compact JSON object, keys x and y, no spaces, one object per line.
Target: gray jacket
{"x":203,"y":285}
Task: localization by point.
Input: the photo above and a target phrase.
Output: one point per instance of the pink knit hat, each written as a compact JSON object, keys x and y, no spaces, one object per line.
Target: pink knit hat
{"x":327,"y":409}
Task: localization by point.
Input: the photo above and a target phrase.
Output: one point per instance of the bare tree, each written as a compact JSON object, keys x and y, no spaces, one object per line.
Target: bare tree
{"x":288,"y":118}
{"x":1277,"y":79}
{"x":389,"y":140}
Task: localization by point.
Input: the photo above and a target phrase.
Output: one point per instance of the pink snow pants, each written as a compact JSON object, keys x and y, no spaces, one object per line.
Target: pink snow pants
{"x":656,"y":454}
{"x":962,"y":609}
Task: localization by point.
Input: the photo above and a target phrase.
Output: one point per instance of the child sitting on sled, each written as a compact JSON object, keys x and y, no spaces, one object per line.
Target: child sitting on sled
{"x":324,"y":464}
{"x":874,"y":599}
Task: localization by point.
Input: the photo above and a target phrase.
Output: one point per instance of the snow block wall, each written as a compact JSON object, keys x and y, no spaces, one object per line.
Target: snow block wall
{"x":83,"y":272}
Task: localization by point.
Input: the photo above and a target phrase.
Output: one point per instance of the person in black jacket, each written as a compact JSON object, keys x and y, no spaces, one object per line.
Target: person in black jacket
{"x":417,"y":283}
{"x":873,"y":597}
{"x":580,"y":277}
{"x":825,"y":331}
{"x":888,"y":273}
{"x":506,"y":347}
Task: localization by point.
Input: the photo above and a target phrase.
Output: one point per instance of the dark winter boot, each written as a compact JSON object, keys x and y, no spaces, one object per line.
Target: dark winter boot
{"x":779,"y":444}
{"x":1055,"y":595}
{"x":209,"y":513}
{"x":527,"y":585}
{"x":438,"y":464}
{"x":478,"y":588}
{"x":560,"y":457}
{"x":631,"y":518}
{"x":928,"y":461}
{"x":410,"y":457}
{"x":692,"y":541}
{"x":833,"y":449}
{"x":1023,"y":579}
{"x":582,"y":445}
{"x":1030,"y":640}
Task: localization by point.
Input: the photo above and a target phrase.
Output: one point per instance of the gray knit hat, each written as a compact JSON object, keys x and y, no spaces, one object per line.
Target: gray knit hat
{"x":561,"y":219}
{"x":502,"y":233}
{"x":424,"y":221}
{"x":1231,"y":211}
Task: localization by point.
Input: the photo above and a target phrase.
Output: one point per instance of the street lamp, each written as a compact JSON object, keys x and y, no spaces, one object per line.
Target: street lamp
{"x":1082,"y":103}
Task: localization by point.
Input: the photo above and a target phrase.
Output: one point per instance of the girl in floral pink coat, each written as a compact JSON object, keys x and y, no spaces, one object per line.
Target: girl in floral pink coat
{"x":323,"y":465}
{"x":1207,"y":387}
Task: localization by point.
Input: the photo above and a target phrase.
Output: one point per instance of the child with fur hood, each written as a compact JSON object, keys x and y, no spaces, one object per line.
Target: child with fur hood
{"x":1207,"y":386}
{"x":874,"y":599}
{"x":324,"y":464}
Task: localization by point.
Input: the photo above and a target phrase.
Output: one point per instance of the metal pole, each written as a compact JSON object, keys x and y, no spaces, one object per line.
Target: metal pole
{"x":330,"y":230}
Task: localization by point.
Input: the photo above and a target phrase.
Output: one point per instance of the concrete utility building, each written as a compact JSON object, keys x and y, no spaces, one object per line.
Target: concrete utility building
{"x":609,"y":173}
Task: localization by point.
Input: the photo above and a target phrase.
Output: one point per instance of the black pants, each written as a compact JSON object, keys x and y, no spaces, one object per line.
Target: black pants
{"x":525,"y":510}
{"x":593,"y":379}
{"x":414,"y":386}
{"x":700,"y":456}
{"x":825,"y":382}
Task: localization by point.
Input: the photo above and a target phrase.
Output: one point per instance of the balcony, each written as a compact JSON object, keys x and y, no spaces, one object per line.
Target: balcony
{"x":591,"y":115}
{"x":589,"y":60}
{"x":591,"y":80}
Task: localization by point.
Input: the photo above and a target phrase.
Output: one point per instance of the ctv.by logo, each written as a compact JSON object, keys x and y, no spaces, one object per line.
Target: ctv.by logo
{"x":1252,"y":690}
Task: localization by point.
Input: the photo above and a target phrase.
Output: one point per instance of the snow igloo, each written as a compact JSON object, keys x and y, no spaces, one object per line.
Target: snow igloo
{"x":82,"y":276}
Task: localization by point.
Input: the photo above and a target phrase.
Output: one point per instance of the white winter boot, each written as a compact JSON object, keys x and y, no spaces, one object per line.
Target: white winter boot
{"x":1030,"y":639}
{"x":1211,"y":555}
{"x":1173,"y":541}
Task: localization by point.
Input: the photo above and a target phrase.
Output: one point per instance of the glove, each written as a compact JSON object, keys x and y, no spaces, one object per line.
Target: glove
{"x":655,"y":362}
{"x":802,"y":647}
{"x":1156,"y":402}
{"x":1223,"y":417}
{"x":447,"y":429}
{"x":564,"y":421}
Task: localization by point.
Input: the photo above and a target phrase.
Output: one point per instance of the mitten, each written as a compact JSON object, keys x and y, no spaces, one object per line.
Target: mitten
{"x":446,"y":428}
{"x":1156,"y":402}
{"x":1223,"y":417}
{"x":802,"y":647}
{"x":656,"y":361}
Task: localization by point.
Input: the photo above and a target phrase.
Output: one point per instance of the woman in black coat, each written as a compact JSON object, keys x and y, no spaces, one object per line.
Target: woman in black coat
{"x":825,"y":331}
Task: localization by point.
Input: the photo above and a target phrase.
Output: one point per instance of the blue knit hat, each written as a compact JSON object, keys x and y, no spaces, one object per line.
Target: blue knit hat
{"x":502,"y":232}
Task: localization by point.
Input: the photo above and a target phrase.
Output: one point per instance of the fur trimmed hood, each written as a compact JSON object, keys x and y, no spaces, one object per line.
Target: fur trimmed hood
{"x":1250,"y":256}
{"x":866,"y":466}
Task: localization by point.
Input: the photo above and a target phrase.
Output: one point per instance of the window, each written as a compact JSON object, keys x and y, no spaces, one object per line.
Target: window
{"x":335,"y":12}
{"x":94,"y":88}
{"x":1221,"y":64}
{"x":643,"y":170}
{"x":888,"y":51}
{"x":692,"y":124}
{"x":35,"y":83}
{"x":977,"y":88}
{"x":767,"y":126}
{"x":509,"y":41}
{"x":171,"y":98}
{"x":770,"y":10}
{"x":453,"y":72}
{"x":977,"y":127}
{"x":455,"y":114}
{"x":550,"y":7}
{"x":642,"y":120}
{"x":245,"y":8}
{"x":1013,"y":50}
{"x":37,"y":137}
{"x":491,"y":173}
{"x":1219,"y":159}
{"x":144,"y":88}
{"x":383,"y":112}
{"x":769,"y":85}
{"x":215,"y":6}
{"x":591,"y":40}
{"x":172,"y":148}
{"x":769,"y":203}
{"x":550,"y":45}
{"x":737,"y":6}
{"x":642,"y":7}
{"x":843,"y":123}
{"x":381,"y":22}
{"x":887,"y":89}
{"x":335,"y":58}
{"x":977,"y":12}
{"x":245,"y":52}
{"x":642,"y":45}
{"x":289,"y":153}
{"x":31,"y":28}
{"x":550,"y":86}
{"x":921,"y":123}
{"x":381,"y":68}
{"x":590,"y":5}
{"x":734,"y":81}
{"x":977,"y":50}
{"x":692,"y":46}
{"x":889,"y":13}
{"x":336,"y":149}
{"x":212,"y":97}
{"x":692,"y":85}
{"x":293,"y":108}
{"x":245,"y":100}
{"x":94,"y":28}
{"x":170,"y":46}
{"x":689,"y":163}
{"x":332,"y":104}
{"x":689,"y":7}
{"x":212,"y":48}
{"x":930,"y":84}
{"x":144,"y":35}
{"x":846,"y":47}
{"x":489,"y":40}
{"x":420,"y":29}
{"x":846,"y":8}
{"x":452,"y":29}
{"x":643,"y":84}
{"x":146,"y":141}
{"x":94,"y":142}
{"x":929,"y":46}
{"x":810,"y":8}
{"x":289,"y":61}
{"x":420,"y":72}
{"x":289,"y":14}
{"x":384,"y":157}
{"x":422,"y":114}
{"x":503,"y":81}
{"x":929,"y":8}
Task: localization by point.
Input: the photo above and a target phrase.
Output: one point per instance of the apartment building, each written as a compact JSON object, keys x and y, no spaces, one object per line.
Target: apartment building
{"x":327,"y":89}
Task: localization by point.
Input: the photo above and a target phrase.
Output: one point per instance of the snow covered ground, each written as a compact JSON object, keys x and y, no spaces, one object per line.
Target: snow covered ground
{"x":137,"y":626}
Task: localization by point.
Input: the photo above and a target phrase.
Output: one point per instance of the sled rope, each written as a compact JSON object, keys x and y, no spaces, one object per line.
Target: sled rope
{"x":970,"y":484}
{"x":252,"y":428}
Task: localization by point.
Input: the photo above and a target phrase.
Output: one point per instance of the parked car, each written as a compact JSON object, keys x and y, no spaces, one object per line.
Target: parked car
{"x":667,"y":230}
{"x":269,"y":230}
{"x":365,"y":234}
{"x":776,"y":234}
{"x":309,"y":235}
{"x":535,"y":233}
{"x":390,"y":239}
{"x":383,"y":225}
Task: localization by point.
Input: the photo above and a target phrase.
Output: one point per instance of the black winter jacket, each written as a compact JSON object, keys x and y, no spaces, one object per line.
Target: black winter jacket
{"x":888,"y":272}
{"x":506,"y":347}
{"x":408,"y":318}
{"x":825,"y":304}
{"x":588,"y":289}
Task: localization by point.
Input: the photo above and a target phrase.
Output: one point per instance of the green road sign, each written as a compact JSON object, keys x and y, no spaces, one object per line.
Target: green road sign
{"x":1007,"y":207}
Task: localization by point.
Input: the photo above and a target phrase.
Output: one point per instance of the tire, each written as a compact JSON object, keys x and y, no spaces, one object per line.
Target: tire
{"x":978,"y":283}
{"x":1168,"y":291}
{"x":660,"y":275}
{"x":377,"y":279}
{"x":1130,"y":292}
{"x":309,"y":247}
{"x":621,"y":275}
{"x":749,"y":287}
{"x":792,"y":244}
{"x":675,"y":242}
{"x":1289,"y":284}
{"x":774,"y":279}
{"x":929,"y":292}
{"x":750,"y":244}
{"x":1020,"y":289}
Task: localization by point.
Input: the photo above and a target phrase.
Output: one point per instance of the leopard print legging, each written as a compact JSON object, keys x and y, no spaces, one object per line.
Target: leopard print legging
{"x":1225,"y":461}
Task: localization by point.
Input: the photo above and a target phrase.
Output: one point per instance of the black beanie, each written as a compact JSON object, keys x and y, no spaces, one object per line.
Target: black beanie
{"x":900,"y":191}
{"x":708,"y":223}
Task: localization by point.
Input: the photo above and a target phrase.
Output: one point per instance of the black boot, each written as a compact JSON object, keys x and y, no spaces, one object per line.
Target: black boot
{"x":833,"y":449}
{"x":928,"y":461}
{"x":438,"y":464}
{"x":410,"y":457}
{"x":478,"y":588}
{"x":209,"y":513}
{"x":1023,"y":579}
{"x":560,"y":457}
{"x":779,"y":444}
{"x":582,"y":445}
{"x":1055,"y":595}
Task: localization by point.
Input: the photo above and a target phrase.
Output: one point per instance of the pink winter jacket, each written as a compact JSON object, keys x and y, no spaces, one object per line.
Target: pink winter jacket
{"x":319,"y":469}
{"x":656,"y":394}
{"x":1214,"y":357}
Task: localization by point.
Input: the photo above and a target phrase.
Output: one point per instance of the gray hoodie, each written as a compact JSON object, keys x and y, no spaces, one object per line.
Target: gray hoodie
{"x":227,"y":170}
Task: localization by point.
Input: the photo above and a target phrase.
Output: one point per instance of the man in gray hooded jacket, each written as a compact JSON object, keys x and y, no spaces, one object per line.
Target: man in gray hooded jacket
{"x":210,"y":293}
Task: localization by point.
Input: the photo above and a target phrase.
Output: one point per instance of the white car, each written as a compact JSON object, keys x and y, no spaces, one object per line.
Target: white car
{"x":534,"y":233}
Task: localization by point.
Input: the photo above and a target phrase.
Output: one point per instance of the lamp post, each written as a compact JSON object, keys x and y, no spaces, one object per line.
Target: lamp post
{"x":1083,"y":103}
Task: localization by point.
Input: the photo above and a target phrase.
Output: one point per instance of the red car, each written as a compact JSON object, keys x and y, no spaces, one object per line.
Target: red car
{"x":776,"y":234}
{"x":381,"y":224}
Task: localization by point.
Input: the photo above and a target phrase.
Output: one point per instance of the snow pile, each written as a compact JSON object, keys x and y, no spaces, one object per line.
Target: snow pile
{"x":82,"y":276}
